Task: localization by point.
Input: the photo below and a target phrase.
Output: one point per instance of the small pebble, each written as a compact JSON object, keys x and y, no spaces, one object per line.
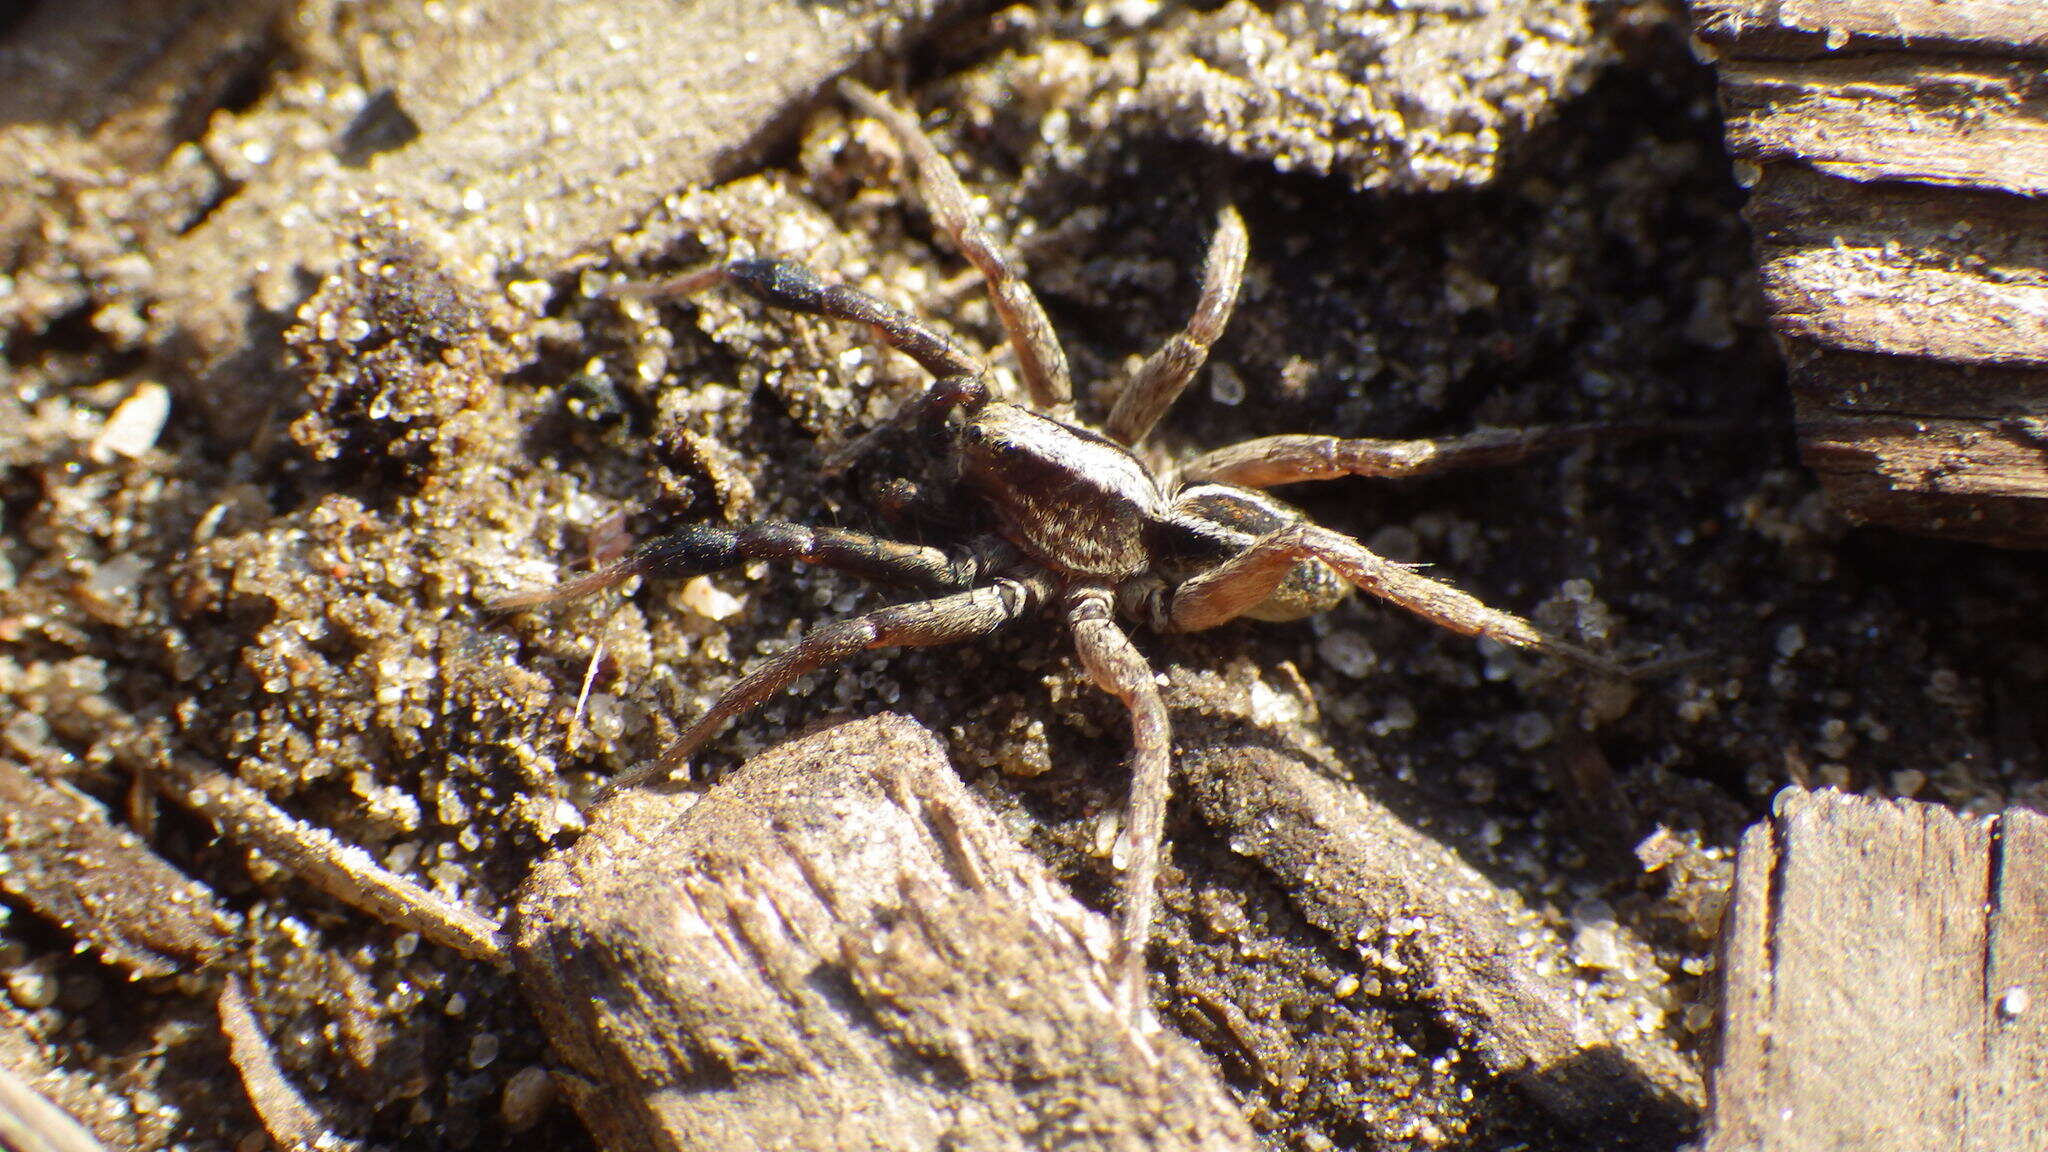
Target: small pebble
{"x":528,"y":1095}
{"x":30,"y":989}
{"x":701,"y":597}
{"x":1348,"y":652}
{"x":134,"y":426}
{"x":1531,"y":730}
{"x":483,"y":1049}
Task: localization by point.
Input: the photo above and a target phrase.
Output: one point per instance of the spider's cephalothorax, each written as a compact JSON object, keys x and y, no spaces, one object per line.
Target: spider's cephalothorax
{"x":1080,"y":521}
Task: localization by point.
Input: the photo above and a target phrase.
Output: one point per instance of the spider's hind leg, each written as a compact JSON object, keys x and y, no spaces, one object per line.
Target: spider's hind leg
{"x":703,"y":548}
{"x":1274,"y":460}
{"x":1249,"y":579}
{"x":1116,"y":665}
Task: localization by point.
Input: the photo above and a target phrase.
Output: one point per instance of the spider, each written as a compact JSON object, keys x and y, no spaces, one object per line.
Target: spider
{"x":1076,"y":519}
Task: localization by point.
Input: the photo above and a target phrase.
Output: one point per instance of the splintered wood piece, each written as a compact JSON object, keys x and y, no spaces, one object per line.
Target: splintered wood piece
{"x":1885,"y":974}
{"x":62,"y":857}
{"x":1898,"y":154}
{"x":290,"y":1121}
{"x":31,"y":1123}
{"x":839,"y":948}
{"x":1797,"y":28}
{"x":320,"y":858}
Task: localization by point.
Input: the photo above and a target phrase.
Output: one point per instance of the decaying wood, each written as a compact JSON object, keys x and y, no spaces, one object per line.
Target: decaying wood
{"x":527,"y":133}
{"x":839,"y":947}
{"x":1899,"y":154}
{"x":62,"y":857}
{"x":1361,"y":874}
{"x":1886,"y":981}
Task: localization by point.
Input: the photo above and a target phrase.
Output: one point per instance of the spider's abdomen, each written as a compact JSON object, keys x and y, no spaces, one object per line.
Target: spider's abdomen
{"x":1074,"y":501}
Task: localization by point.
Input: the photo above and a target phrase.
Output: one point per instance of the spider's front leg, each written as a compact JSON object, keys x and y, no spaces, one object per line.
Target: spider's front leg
{"x":1115,"y":664}
{"x":1165,"y":374}
{"x":793,"y":287}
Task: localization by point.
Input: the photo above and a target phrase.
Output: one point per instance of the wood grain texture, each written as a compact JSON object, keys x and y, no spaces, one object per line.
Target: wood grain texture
{"x":1883,"y":972}
{"x":1966,"y":122}
{"x":61,"y":856}
{"x":839,"y":947}
{"x":1899,"y":159}
{"x":1795,"y":28}
{"x":31,"y":1123}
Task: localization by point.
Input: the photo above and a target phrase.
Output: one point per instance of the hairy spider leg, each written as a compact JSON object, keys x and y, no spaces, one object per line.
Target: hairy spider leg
{"x":1274,"y":460}
{"x":704,"y":548}
{"x":1040,"y":358}
{"x":794,"y":287}
{"x":1247,"y":579}
{"x":1116,"y":665}
{"x":1161,"y":379}
{"x":950,"y":619}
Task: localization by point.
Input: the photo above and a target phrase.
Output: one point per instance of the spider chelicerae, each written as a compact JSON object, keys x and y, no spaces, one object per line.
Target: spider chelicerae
{"x":1076,"y":520}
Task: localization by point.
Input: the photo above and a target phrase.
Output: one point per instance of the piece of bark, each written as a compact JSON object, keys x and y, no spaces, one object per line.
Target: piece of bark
{"x":529,"y":131}
{"x":1374,"y":883}
{"x":1885,"y":974}
{"x":100,"y":884}
{"x":839,"y":947}
{"x":1898,"y":155}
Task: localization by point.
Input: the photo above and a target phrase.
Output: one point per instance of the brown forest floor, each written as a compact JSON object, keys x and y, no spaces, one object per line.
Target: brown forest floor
{"x":287,"y":581}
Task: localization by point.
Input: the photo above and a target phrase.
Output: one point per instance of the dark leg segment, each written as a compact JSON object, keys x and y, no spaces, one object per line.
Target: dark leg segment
{"x":948,"y":620}
{"x":1275,"y":460}
{"x":703,"y":548}
{"x":791,"y":286}
{"x":1115,"y":664}
{"x":1039,"y":355}
{"x":1161,"y":379}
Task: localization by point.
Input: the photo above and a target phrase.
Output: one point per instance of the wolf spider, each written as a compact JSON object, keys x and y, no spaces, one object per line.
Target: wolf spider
{"x":1078,"y":518}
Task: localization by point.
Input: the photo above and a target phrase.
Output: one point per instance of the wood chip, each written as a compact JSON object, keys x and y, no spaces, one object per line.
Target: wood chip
{"x":316,"y":856}
{"x":1883,"y":969}
{"x":290,"y":1121}
{"x":839,"y":948}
